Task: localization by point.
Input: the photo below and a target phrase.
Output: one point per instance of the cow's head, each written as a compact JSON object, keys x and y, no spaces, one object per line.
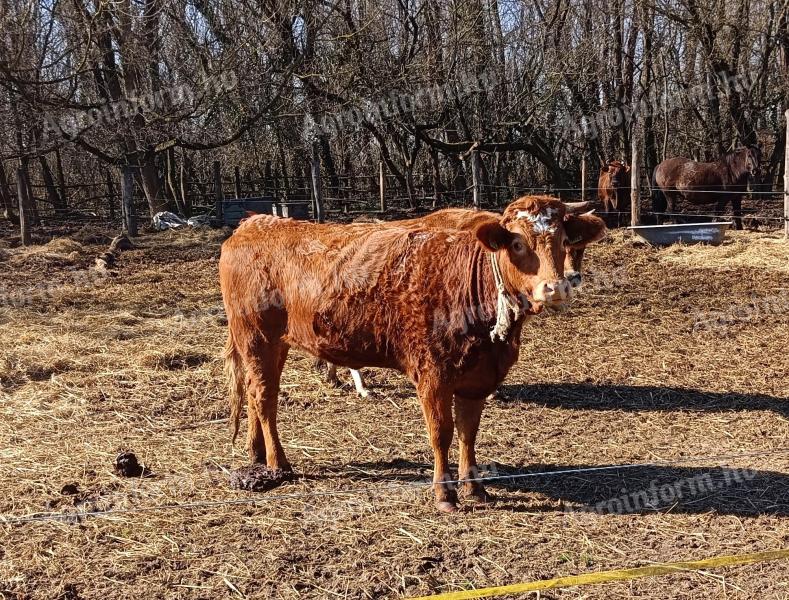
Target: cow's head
{"x":533,"y":244}
{"x":618,"y":173}
{"x":581,"y":231}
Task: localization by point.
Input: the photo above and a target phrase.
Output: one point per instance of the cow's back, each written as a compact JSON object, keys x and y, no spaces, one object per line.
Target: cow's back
{"x":358,"y":295}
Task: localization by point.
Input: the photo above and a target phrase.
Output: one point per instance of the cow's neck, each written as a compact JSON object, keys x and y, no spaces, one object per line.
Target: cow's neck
{"x":497,"y":316}
{"x":481,"y":295}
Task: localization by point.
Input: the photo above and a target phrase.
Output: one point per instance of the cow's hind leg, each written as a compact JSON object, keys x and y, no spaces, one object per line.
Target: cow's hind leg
{"x":467,"y":416}
{"x":437,"y":410}
{"x":331,"y":375}
{"x":358,"y":382}
{"x":264,"y":370}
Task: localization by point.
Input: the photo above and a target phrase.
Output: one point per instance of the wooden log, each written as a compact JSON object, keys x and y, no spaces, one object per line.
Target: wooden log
{"x":127,"y":202}
{"x":635,"y":195}
{"x":583,"y":175}
{"x":24,"y":207}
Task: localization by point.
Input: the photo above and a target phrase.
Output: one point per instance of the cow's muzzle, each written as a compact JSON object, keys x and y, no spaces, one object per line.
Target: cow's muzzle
{"x":553,"y":293}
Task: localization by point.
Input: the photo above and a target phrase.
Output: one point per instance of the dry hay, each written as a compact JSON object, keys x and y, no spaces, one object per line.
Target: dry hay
{"x":742,"y":249}
{"x":59,"y":251}
{"x":641,"y":369}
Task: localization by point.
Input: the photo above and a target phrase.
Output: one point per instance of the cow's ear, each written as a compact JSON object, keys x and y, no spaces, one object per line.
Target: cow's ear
{"x":583,"y":230}
{"x":493,"y":236}
{"x":604,"y":170}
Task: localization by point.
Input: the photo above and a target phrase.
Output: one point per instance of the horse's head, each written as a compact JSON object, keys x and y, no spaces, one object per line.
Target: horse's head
{"x":751,"y":158}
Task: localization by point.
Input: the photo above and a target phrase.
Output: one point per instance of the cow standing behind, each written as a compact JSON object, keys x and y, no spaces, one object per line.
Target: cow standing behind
{"x":613,"y":187}
{"x":421,"y":302}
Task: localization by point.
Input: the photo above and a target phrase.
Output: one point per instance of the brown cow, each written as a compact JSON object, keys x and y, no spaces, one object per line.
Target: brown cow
{"x":461,"y":219}
{"x":444,"y":307}
{"x":613,"y":186}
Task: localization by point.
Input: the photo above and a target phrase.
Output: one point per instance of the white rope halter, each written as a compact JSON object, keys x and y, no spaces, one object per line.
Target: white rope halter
{"x":506,"y":309}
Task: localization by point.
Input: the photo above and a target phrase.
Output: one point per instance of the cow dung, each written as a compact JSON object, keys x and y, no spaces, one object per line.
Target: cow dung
{"x":127,"y":465}
{"x":258,"y":478}
{"x":70,"y":489}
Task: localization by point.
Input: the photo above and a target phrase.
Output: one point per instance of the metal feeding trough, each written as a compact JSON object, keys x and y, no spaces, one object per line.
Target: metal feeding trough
{"x":687,"y":233}
{"x":236,"y":209}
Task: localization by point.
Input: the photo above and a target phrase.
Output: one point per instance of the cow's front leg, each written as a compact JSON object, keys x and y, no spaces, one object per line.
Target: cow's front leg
{"x":437,"y":409}
{"x":467,"y":416}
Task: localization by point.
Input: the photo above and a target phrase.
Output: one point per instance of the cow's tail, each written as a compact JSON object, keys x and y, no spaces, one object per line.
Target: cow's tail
{"x":659,"y":202}
{"x":236,"y":383}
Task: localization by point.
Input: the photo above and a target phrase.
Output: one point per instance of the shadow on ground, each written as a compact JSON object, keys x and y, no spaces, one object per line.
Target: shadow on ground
{"x":589,"y":396}
{"x":616,"y":490}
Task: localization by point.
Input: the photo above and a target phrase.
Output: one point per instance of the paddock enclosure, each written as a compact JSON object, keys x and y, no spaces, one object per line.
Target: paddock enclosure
{"x":677,"y":355}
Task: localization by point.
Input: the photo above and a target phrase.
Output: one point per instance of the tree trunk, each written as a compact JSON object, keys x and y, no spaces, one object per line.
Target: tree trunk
{"x":49,"y":183}
{"x":152,"y":185}
{"x":5,"y":197}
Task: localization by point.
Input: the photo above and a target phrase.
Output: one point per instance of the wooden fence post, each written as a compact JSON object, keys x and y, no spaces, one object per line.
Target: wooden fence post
{"x":317,"y":191}
{"x":25,"y":210}
{"x":267,"y":180}
{"x":127,"y":202}
{"x":184,"y":185}
{"x":583,"y":175}
{"x":237,"y":180}
{"x":110,"y":194}
{"x":635,"y":195}
{"x":476,"y":171}
{"x":219,"y":195}
{"x":786,"y":179}
{"x":382,"y":185}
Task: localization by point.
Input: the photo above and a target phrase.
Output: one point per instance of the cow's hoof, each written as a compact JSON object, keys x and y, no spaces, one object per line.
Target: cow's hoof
{"x":446,"y":507}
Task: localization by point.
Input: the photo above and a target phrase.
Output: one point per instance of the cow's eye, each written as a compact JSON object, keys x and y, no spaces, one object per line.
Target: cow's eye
{"x":517,"y":246}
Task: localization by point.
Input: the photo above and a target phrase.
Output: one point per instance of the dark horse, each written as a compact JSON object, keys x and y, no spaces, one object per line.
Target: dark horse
{"x":716,"y":183}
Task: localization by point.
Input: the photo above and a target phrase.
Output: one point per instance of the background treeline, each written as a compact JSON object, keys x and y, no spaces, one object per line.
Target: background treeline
{"x":87,"y":86}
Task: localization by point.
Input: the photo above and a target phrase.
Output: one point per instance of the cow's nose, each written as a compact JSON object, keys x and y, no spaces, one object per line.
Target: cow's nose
{"x":553,"y":292}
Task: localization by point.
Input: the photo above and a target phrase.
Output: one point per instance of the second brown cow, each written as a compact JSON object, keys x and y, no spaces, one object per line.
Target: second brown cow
{"x":613,"y":186}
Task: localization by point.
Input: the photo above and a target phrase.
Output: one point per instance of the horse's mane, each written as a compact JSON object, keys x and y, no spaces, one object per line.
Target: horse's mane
{"x":735,"y":159}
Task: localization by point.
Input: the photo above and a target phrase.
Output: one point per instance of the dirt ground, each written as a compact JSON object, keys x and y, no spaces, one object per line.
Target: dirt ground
{"x":668,"y":355}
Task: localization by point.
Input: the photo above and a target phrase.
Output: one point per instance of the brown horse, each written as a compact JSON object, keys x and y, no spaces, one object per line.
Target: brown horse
{"x":716,"y":183}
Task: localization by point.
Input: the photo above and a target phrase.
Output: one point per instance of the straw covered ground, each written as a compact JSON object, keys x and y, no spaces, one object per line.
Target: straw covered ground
{"x":678,"y":354}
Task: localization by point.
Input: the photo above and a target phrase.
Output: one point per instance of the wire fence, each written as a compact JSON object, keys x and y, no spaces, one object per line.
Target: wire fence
{"x":370,"y":490}
{"x":362,"y":194}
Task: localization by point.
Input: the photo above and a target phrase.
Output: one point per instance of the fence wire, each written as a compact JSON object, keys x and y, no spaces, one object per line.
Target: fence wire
{"x":366,"y":491}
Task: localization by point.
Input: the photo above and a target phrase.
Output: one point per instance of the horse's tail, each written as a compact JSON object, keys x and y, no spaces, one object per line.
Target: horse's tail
{"x":659,"y":202}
